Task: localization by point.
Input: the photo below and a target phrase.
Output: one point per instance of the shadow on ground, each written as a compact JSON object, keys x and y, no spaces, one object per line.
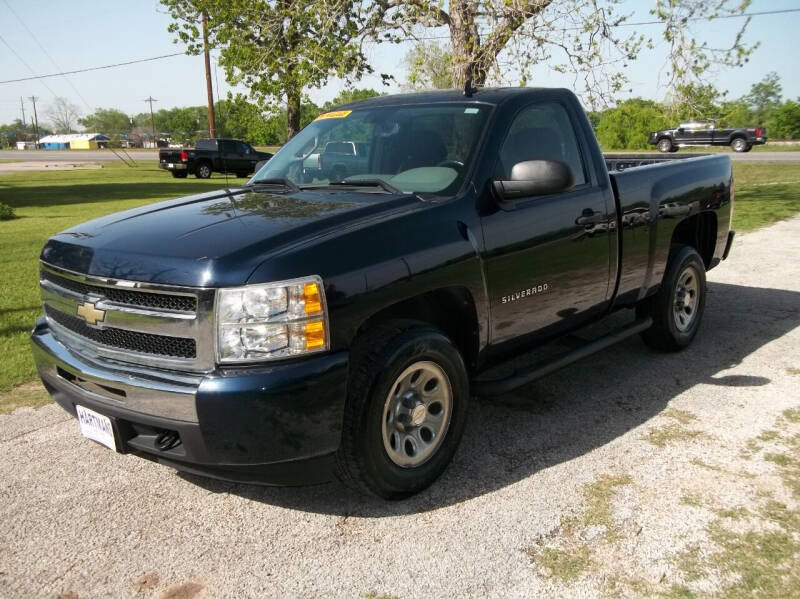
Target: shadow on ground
{"x":573,"y":411}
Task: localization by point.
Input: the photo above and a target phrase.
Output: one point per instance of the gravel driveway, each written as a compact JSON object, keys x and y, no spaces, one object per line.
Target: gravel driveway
{"x":632,"y":473}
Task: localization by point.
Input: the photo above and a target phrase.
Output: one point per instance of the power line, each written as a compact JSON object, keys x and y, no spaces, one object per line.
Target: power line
{"x":107,"y":66}
{"x":22,"y":60}
{"x":46,"y":53}
{"x":409,"y":38}
{"x":638,"y":23}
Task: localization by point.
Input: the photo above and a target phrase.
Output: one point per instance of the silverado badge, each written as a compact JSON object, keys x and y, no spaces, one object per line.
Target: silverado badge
{"x":90,"y":314}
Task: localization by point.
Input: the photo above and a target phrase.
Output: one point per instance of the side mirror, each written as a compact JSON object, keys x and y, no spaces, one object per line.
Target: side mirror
{"x":680,"y":129}
{"x":535,"y":178}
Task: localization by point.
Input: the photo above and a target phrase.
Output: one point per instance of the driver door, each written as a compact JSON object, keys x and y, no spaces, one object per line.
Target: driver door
{"x":547,"y":258}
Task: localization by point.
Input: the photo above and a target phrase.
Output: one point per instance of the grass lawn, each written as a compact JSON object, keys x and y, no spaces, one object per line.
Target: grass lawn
{"x":48,"y":202}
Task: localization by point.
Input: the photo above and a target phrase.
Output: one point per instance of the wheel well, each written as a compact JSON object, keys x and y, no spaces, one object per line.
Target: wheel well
{"x":451,"y":309}
{"x":700,"y":232}
{"x":738,"y":136}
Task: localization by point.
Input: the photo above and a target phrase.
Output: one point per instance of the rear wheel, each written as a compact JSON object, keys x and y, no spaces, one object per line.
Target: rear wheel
{"x":338,"y":173}
{"x":665,"y":145}
{"x":203,"y":171}
{"x":406,"y":409}
{"x":179,"y":174}
{"x":677,"y":308}
{"x":739,"y":145}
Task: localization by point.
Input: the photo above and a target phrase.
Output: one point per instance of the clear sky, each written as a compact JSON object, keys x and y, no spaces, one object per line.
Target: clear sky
{"x":84,"y":33}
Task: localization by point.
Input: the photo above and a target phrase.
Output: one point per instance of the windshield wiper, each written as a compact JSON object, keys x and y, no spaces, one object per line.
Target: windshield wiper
{"x":369,"y":183}
{"x":287,"y":183}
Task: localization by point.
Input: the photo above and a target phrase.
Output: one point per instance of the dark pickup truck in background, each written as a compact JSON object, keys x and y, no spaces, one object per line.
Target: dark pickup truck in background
{"x":706,"y":133}
{"x":282,"y":332}
{"x":212,"y":156}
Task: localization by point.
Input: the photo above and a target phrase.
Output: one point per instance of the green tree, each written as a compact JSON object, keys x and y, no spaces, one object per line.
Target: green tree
{"x":429,"y":66}
{"x":349,"y":96}
{"x":764,"y":97}
{"x":106,"y":120}
{"x":492,"y":38}
{"x":696,"y":101}
{"x":628,"y":125}
{"x":277,"y":48}
{"x":784,"y":122}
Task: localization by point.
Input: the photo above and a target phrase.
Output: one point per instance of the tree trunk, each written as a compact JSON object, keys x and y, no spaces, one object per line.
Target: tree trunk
{"x":293,"y":98}
{"x":465,"y":43}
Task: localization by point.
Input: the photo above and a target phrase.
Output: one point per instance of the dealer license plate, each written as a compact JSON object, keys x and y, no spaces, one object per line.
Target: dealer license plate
{"x":96,"y":427}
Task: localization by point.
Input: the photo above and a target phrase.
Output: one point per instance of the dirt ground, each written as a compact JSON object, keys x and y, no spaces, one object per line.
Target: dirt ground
{"x":39,"y":165}
{"x":631,"y":474}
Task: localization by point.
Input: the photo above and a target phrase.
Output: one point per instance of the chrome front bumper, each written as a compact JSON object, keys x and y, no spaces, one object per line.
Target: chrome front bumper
{"x":114,"y":384}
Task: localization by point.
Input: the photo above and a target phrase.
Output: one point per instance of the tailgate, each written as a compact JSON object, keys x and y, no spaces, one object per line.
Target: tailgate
{"x":169,"y":155}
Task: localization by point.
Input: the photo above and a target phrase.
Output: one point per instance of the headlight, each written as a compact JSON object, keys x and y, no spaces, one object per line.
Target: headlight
{"x":256,"y":323}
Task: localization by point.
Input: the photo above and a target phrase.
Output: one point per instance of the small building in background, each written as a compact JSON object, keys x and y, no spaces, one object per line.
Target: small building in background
{"x":74,"y":141}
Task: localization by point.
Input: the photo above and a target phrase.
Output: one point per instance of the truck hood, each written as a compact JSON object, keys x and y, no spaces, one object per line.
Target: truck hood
{"x":213,"y":239}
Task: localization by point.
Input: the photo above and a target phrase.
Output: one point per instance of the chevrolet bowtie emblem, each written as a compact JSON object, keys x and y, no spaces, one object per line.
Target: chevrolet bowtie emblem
{"x":90,"y":314}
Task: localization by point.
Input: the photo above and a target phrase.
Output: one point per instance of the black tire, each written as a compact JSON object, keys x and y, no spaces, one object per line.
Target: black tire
{"x":203,"y":171}
{"x":665,"y":145}
{"x":739,"y":144}
{"x":179,"y":174}
{"x":378,"y":359}
{"x":748,"y":148}
{"x":670,"y":306}
{"x":338,"y":173}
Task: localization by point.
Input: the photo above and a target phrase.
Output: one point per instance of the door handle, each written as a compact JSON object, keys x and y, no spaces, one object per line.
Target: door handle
{"x":589,"y":218}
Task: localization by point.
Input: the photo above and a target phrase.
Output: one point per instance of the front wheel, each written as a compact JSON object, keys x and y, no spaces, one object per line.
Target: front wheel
{"x":739,"y":145}
{"x":406,"y":409}
{"x":677,"y":307}
{"x":665,"y":145}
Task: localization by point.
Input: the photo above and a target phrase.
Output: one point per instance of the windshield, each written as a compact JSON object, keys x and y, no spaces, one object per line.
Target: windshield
{"x":413,"y":149}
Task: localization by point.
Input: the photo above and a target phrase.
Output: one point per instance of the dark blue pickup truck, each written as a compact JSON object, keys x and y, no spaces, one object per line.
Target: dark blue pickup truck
{"x":285,"y":332}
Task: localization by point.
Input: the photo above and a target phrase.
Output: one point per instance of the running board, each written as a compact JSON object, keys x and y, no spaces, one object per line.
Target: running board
{"x":537,"y":371}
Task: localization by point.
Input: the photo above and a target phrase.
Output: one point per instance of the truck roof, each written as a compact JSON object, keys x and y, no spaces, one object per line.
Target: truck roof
{"x":489,"y":95}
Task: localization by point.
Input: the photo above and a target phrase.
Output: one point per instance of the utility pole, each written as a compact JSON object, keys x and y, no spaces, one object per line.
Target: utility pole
{"x":22,"y":105}
{"x":35,"y":119}
{"x":212,"y":126}
{"x":151,"y":99}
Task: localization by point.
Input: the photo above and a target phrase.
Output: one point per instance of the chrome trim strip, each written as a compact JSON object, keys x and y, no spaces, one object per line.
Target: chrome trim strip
{"x":197,"y":325}
{"x":168,"y":397}
{"x":121,"y":283}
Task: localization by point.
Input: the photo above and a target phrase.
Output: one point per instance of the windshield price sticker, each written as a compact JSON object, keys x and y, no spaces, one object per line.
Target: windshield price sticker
{"x":338,"y":114}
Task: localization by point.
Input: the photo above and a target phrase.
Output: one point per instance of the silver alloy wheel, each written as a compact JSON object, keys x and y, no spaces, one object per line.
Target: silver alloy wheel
{"x":204,"y":171}
{"x":417,"y":414}
{"x":665,"y":145}
{"x":738,"y":144}
{"x":686,"y":298}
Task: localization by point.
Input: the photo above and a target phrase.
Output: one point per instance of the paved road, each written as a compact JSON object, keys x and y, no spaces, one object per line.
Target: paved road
{"x":53,"y":155}
{"x":563,"y":465}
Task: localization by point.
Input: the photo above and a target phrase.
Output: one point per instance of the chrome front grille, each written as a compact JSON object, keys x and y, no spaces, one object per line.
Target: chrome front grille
{"x":157,"y":301}
{"x":129,"y":321}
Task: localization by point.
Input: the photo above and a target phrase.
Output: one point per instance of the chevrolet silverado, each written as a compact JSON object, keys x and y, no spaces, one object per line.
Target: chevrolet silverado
{"x":282,"y":332}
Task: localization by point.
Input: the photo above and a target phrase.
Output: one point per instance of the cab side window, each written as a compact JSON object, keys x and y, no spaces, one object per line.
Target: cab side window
{"x":542,"y":132}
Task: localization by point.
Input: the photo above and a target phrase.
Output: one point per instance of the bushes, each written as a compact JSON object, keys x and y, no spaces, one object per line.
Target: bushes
{"x":6,"y":212}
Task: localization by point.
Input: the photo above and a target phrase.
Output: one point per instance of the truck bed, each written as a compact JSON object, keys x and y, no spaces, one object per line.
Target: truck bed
{"x":653,"y":194}
{"x":623,"y":161}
